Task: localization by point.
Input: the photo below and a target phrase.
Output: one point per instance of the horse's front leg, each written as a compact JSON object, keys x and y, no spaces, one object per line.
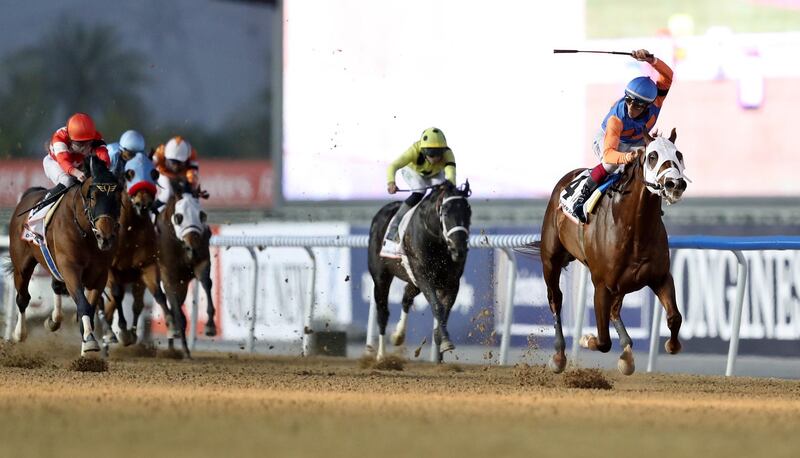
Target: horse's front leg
{"x":202,"y":273}
{"x":441,"y":338}
{"x":665,"y":290}
{"x":399,"y":335}
{"x":602,"y":309}
{"x":625,"y":364}
{"x":72,"y":275}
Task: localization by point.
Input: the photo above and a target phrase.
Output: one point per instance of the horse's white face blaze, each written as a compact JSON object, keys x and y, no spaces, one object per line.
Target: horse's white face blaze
{"x":664,"y":167}
{"x":188,"y":216}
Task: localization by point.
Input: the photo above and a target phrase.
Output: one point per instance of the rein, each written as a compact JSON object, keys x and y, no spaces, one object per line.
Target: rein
{"x":87,"y":211}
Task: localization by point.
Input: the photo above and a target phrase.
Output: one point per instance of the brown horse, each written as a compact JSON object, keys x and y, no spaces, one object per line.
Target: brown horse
{"x":81,"y":236}
{"x":136,"y":260}
{"x":624,"y":245}
{"x":183,"y":255}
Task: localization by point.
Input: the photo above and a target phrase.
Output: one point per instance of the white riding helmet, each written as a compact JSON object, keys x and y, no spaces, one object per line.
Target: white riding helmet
{"x":177,"y":149}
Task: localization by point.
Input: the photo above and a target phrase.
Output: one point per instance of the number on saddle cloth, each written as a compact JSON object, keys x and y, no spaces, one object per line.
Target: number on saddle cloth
{"x":570,"y":194}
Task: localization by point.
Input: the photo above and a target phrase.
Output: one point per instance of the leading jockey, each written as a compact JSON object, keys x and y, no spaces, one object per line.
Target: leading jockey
{"x":426,"y":163}
{"x":622,"y":130}
{"x":69,"y":146}
{"x":176,"y":160}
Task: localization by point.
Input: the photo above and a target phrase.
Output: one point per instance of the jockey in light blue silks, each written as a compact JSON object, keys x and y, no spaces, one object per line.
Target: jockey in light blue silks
{"x":130,"y":143}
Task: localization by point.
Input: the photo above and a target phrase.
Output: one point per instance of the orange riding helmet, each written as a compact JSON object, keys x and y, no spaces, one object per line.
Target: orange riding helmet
{"x":80,"y":127}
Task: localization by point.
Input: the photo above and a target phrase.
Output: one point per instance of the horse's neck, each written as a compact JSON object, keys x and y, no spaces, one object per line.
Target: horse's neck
{"x":430,"y":218}
{"x":648,"y":205}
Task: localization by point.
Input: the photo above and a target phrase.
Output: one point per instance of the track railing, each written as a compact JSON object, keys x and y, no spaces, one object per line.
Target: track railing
{"x":503,"y":242}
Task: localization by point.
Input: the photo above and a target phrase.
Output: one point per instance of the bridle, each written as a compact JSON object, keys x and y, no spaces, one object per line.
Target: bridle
{"x":446,"y":233}
{"x":105,"y":188}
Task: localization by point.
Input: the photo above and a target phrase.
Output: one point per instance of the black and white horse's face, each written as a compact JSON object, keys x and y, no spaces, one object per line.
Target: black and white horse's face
{"x":455,"y":214}
{"x":664,"y":169}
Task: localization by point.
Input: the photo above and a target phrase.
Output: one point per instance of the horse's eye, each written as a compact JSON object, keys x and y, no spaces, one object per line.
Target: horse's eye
{"x":177,"y":218}
{"x":203,"y":217}
{"x":154,"y":175}
{"x":652,"y":159}
{"x":130,"y":174}
{"x":680,"y":156}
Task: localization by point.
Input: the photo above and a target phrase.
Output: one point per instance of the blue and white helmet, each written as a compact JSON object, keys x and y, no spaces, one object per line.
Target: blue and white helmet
{"x":642,"y":88}
{"x":117,"y":163}
{"x":132,"y":141}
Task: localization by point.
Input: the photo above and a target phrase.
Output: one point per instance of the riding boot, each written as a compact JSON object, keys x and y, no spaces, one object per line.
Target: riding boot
{"x":56,"y":189}
{"x":391,"y":243}
{"x":586,"y":191}
{"x":394,"y":225}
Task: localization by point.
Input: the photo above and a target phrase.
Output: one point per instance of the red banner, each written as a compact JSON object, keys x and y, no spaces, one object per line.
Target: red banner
{"x":231,"y":183}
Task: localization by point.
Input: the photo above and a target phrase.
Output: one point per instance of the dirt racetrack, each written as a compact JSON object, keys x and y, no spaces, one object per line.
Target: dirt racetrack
{"x":222,"y":404}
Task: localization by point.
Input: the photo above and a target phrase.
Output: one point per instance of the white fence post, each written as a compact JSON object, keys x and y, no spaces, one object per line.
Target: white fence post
{"x":580,"y":310}
{"x":308,"y":316}
{"x":741,"y":282}
{"x":508,"y":310}
{"x":251,"y":335}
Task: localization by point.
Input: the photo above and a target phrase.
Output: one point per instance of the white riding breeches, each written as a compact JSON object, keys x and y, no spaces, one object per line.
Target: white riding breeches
{"x":417,"y":182}
{"x":164,"y":191}
{"x":55,"y":173}
{"x":597,"y":147}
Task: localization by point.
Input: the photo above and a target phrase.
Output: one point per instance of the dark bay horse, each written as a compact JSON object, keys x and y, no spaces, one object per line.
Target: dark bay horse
{"x":81,"y":237}
{"x":435,"y":244}
{"x":183,"y":255}
{"x":624,"y":245}
{"x":135,"y":262}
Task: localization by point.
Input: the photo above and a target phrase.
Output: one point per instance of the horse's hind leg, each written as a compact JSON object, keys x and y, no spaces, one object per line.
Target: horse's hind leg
{"x":551,"y":269}
{"x":625,"y":364}
{"x":399,"y":335}
{"x":53,"y":322}
{"x":380,"y":293}
{"x":203,"y":274}
{"x":665,"y":290}
{"x":602,"y":309}
{"x":23,"y":270}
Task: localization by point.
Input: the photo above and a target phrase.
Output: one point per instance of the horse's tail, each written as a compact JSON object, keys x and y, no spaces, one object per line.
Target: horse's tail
{"x":530,"y":249}
{"x":6,"y":265}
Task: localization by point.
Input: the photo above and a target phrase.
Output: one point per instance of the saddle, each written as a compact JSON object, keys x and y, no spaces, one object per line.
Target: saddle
{"x":569,"y":196}
{"x":34,"y":231}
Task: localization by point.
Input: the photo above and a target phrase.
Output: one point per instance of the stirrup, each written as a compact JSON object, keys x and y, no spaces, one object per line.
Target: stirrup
{"x":390,"y":249}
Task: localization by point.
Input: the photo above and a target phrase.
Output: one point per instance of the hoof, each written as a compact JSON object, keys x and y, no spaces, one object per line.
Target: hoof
{"x":211,"y":329}
{"x":89,"y":345}
{"x":51,"y":325}
{"x":625,"y":364}
{"x":586,"y":341}
{"x":398,"y":339}
{"x":124,"y":337}
{"x":557,"y":363}
{"x":672,"y":348}
{"x":446,"y":345}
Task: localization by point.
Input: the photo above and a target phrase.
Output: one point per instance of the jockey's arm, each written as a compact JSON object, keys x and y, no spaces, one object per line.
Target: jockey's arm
{"x":410,"y":155}
{"x":193,"y":177}
{"x":450,"y":166}
{"x":664,"y":81}
{"x":102,"y":152}
{"x":611,"y":142}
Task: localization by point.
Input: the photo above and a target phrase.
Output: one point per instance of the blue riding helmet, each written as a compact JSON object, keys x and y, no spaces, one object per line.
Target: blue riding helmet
{"x":140,"y":174}
{"x":642,"y":88}
{"x":117,"y":163}
{"x":132,"y":141}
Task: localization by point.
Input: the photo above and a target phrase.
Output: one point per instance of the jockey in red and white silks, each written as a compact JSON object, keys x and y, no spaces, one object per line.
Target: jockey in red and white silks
{"x":69,"y":146}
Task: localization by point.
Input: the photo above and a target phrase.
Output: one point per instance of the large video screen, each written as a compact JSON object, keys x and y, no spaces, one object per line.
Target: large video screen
{"x":363,"y":79}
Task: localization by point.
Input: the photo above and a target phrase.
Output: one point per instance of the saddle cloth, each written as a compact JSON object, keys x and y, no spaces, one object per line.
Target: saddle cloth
{"x":34,"y":231}
{"x":569,"y":195}
{"x":401,"y":231}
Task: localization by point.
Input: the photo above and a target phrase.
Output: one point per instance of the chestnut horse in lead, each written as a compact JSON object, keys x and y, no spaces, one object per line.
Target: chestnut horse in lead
{"x":624,"y":245}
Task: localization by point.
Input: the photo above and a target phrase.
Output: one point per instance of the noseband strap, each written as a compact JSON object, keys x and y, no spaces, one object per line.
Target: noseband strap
{"x":445,"y":231}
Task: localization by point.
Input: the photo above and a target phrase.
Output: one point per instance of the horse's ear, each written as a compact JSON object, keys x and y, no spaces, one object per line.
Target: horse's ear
{"x":647,"y":138}
{"x":466,"y":191}
{"x":151,"y":153}
{"x":673,"y":136}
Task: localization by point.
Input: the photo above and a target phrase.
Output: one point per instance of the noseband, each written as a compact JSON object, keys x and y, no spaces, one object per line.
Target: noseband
{"x":445,"y":231}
